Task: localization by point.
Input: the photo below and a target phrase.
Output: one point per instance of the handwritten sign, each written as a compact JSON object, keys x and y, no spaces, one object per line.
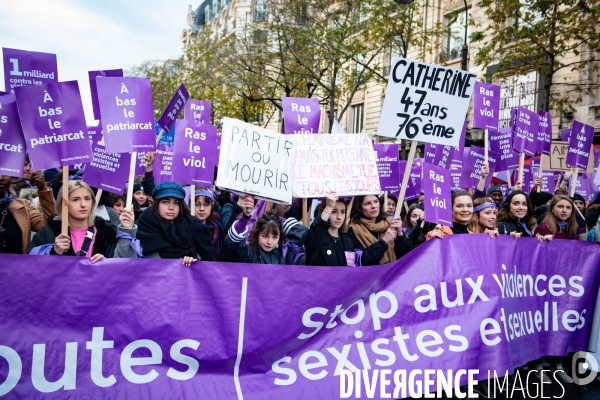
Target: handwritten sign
{"x":257,"y":161}
{"x":558,"y":158}
{"x":580,"y":145}
{"x":425,"y":102}
{"x":343,"y":163}
{"x":194,"y":153}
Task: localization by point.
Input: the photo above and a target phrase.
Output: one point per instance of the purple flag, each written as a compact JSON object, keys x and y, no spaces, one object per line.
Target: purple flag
{"x":194,"y":153}
{"x":438,"y":201}
{"x":387,"y":166}
{"x":301,"y":115}
{"x":526,"y":131}
{"x":53,"y":124}
{"x":501,"y":144}
{"x":127,"y":114}
{"x":580,"y":145}
{"x":197,"y":111}
{"x":106,"y":171}
{"x":22,"y":68}
{"x":175,"y":106}
{"x":152,"y":329}
{"x":544,"y":137}
{"x":92,"y":75}
{"x":565,"y":134}
{"x":486,"y":105}
{"x":472,"y":164}
{"x":12,"y":142}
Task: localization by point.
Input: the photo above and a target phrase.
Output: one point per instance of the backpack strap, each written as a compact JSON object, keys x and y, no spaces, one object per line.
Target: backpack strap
{"x":89,"y":235}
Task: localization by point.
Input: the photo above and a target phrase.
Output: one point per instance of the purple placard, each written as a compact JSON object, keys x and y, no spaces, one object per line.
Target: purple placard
{"x":93,"y":131}
{"x":584,"y":186}
{"x":194,"y":153}
{"x":413,"y":186}
{"x":461,"y":140}
{"x":526,"y":131}
{"x":439,"y":155}
{"x":301,"y":115}
{"x":472,"y":164}
{"x":106,"y":171}
{"x":53,"y":124}
{"x":548,"y":177}
{"x":528,"y":179}
{"x":580,"y":145}
{"x":197,"y":111}
{"x":12,"y":142}
{"x":22,"y":68}
{"x":163,"y":165}
{"x":501,"y":144}
{"x":486,"y":105}
{"x":438,"y":201}
{"x":129,"y":309}
{"x":175,"y":106}
{"x":92,"y":76}
{"x":544,"y":137}
{"x":565,"y":134}
{"x":387,"y":166}
{"x":127,"y":114}
{"x":218,"y":153}
{"x":429,"y":155}
{"x":504,"y":187}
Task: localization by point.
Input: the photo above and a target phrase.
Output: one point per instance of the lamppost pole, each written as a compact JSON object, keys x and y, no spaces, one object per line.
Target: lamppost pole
{"x":465,"y":49}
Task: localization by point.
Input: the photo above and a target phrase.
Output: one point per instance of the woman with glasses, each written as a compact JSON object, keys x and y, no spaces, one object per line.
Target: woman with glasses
{"x":380,"y":238}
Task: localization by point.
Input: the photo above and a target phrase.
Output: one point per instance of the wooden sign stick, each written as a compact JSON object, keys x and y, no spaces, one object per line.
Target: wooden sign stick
{"x":485,"y":147}
{"x":305,"y":218}
{"x":98,"y":195}
{"x":508,"y":177}
{"x":131,"y":179}
{"x":193,"y":200}
{"x":574,"y":181}
{"x":269,"y":206}
{"x":521,"y":166}
{"x":385,"y":205}
{"x":541,"y":171}
{"x":558,"y":181}
{"x":348,"y":211}
{"x":409,"y":162}
{"x":64,"y":226}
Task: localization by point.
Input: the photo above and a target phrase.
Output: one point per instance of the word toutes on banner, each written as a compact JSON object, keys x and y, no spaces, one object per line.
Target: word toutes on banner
{"x":53,"y":124}
{"x":128,"y":329}
{"x":557,"y":161}
{"x":425,"y":102}
{"x":301,"y":115}
{"x":580,"y":145}
{"x":257,"y":161}
{"x":127,"y":114}
{"x":12,"y":142}
{"x":22,"y":68}
{"x":344,"y":164}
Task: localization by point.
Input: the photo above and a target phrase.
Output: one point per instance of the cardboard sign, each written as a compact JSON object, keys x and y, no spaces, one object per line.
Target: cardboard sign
{"x":344,"y":164}
{"x":387,"y":166}
{"x":12,"y":142}
{"x":53,"y":124}
{"x":257,"y":161}
{"x":22,"y":68}
{"x":197,"y":111}
{"x":93,"y":89}
{"x":425,"y":102}
{"x":580,"y":145}
{"x":301,"y":115}
{"x":194,"y":153}
{"x":438,"y":196}
{"x":486,"y":105}
{"x":127,"y":114}
{"x":558,"y":158}
{"x":175,"y":106}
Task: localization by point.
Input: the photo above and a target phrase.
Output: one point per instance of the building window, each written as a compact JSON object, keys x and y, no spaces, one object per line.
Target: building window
{"x":395,"y":51}
{"x":517,"y":90}
{"x":358,"y":118}
{"x":207,"y":14}
{"x":455,"y":38}
{"x":260,"y":11}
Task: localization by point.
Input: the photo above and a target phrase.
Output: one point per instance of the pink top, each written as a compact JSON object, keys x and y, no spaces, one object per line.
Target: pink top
{"x":77,"y":238}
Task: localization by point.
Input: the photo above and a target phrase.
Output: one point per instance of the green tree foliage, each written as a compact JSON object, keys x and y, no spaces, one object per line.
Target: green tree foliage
{"x":544,"y":36}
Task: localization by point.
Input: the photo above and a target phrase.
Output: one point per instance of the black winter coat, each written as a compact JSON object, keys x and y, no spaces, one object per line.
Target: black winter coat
{"x":373,"y":254}
{"x":319,"y":245}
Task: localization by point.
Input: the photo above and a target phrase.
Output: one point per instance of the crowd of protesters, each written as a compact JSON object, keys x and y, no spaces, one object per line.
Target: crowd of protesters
{"x":359,"y":231}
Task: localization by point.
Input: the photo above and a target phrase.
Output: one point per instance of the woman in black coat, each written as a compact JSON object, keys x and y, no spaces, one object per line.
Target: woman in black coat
{"x":327,"y":243}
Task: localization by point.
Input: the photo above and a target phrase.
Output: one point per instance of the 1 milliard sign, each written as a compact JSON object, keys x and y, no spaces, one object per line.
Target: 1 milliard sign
{"x":425,"y":102}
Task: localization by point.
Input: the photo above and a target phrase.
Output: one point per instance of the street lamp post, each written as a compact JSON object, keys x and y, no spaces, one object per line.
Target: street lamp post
{"x":465,"y":49}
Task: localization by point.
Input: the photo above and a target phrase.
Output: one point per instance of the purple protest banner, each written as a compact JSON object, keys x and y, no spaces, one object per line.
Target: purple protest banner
{"x":528,"y":178}
{"x":22,"y":68}
{"x":439,"y":155}
{"x":106,"y":171}
{"x":580,"y":145}
{"x":472,"y":164}
{"x":486,"y":106}
{"x":438,"y":197}
{"x":501,"y":144}
{"x":163,"y":164}
{"x":413,"y":186}
{"x":218,"y":153}
{"x":194,"y":153}
{"x":301,"y":115}
{"x":565,"y":134}
{"x":461,"y":139}
{"x":175,"y":106}
{"x":12,"y":142}
{"x":92,"y":76}
{"x":584,"y":186}
{"x":387,"y":166}
{"x":429,"y":155}
{"x":127,"y":114}
{"x":151,"y":329}
{"x":544,"y":137}
{"x":53,"y":124}
{"x":548,"y":177}
{"x":197,"y":111}
{"x":93,"y":131}
{"x":526,"y":131}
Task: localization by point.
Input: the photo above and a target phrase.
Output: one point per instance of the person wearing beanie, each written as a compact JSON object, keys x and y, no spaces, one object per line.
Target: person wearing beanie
{"x":579,"y":202}
{"x":204,"y":202}
{"x":140,"y":200}
{"x":495,"y":192}
{"x":165,"y":230}
{"x":542,"y":199}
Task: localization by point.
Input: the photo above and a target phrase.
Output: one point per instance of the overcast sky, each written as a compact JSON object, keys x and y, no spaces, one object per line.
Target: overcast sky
{"x":94,"y":34}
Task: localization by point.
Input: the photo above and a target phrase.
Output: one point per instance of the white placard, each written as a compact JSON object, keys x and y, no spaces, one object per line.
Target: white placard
{"x":343,"y":163}
{"x":257,"y":161}
{"x":425,"y":102}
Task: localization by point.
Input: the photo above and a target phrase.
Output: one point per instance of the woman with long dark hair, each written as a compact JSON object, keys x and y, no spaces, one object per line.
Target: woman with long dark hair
{"x":380,"y":238}
{"x":516,"y":215}
{"x":412,"y":224}
{"x":560,"y":221}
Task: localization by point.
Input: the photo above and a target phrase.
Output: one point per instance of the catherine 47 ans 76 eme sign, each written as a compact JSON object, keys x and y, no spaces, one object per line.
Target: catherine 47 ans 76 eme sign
{"x":425,"y":102}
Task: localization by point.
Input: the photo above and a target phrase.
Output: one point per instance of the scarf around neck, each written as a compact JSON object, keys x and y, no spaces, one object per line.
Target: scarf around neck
{"x":368,"y":232}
